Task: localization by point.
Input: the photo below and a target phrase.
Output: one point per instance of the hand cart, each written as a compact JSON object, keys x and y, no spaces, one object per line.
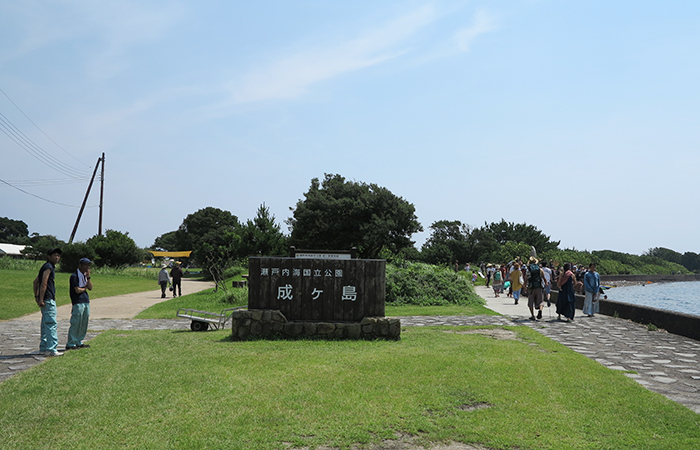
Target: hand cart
{"x":202,"y":320}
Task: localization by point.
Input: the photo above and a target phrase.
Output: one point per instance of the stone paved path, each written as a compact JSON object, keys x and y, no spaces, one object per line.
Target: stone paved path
{"x":662,"y":362}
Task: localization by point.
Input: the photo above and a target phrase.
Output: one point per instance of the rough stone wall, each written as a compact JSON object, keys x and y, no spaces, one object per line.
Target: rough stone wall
{"x":260,"y":323}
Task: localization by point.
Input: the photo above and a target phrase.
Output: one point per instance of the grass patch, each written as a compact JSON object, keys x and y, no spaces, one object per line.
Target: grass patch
{"x":17,"y":297}
{"x":206,"y":300}
{"x":162,"y":389}
{"x":451,"y":310}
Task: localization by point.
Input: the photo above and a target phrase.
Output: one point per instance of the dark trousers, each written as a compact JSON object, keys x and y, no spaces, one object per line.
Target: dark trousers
{"x":177,"y":287}
{"x":163,"y":287}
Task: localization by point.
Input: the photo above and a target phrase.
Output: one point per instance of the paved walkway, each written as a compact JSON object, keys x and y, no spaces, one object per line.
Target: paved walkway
{"x":662,"y":362}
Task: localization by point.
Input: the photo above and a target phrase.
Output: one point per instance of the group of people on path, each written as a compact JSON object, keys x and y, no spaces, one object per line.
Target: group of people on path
{"x":566,"y":303}
{"x":164,"y":279}
{"x":45,"y":296}
{"x":535,"y":279}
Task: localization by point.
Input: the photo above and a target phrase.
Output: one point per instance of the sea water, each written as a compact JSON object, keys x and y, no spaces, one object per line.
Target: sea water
{"x":677,"y":296}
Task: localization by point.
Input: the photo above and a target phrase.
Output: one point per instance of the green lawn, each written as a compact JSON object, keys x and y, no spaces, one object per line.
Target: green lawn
{"x":163,"y":390}
{"x":17,"y":297}
{"x":206,"y":300}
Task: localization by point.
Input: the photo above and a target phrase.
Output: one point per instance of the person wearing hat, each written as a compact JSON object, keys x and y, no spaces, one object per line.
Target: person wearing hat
{"x":45,"y":297}
{"x":163,"y":279}
{"x":79,"y":283}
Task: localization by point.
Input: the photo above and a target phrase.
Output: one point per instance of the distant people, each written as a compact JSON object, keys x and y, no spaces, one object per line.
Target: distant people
{"x":516,"y":282}
{"x":497,"y":282}
{"x":80,"y":314}
{"x":163,"y":279}
{"x":467,"y":267}
{"x":45,"y":296}
{"x":176,"y":274}
{"x":591,"y":282}
{"x":474,"y":276}
{"x":547,"y":290}
{"x":535,"y":277}
{"x":566,"y":301}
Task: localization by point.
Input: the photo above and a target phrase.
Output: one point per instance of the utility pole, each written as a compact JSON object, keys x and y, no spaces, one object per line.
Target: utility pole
{"x":80,"y":214}
{"x":102,"y":193}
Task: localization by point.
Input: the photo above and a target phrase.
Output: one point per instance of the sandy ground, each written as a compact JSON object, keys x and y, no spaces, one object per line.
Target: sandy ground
{"x":123,"y":306}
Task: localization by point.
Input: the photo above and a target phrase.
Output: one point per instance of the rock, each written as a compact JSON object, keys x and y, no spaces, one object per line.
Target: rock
{"x":325,"y":328}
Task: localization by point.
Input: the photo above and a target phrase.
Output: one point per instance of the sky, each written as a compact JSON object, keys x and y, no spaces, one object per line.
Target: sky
{"x":580,"y":118}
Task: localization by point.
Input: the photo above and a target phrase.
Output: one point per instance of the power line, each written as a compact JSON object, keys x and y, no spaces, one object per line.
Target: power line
{"x":37,"y":126}
{"x":42,"y":198}
{"x":46,"y":182}
{"x":11,"y":131}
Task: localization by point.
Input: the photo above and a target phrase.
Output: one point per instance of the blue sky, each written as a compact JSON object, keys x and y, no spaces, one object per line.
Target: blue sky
{"x":580,"y":118}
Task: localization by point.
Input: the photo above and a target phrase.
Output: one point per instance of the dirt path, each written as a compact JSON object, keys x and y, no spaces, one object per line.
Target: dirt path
{"x":123,"y":306}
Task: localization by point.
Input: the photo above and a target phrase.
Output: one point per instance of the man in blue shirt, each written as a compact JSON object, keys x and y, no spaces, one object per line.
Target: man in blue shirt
{"x":45,"y":297}
{"x":591,"y":284}
{"x":80,"y":314}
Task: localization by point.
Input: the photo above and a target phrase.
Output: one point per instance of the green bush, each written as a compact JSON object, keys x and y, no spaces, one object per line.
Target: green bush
{"x":409,"y":283}
{"x":72,"y":253}
{"x":234,"y":271}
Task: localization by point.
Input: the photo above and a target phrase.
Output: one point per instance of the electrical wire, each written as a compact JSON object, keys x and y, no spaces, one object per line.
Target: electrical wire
{"x":37,"y":126}
{"x":47,"y":182}
{"x":42,"y":198}
{"x":11,"y":131}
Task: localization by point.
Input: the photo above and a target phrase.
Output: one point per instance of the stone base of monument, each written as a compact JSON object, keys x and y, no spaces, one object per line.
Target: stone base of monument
{"x":271,"y":323}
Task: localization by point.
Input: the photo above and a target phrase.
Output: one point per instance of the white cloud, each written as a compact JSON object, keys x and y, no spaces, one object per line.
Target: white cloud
{"x":483,"y":23}
{"x":291,"y":76}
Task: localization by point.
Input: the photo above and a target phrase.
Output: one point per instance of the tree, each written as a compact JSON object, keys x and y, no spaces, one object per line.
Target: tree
{"x":13,"y":231}
{"x":338,"y":215}
{"x":72,"y":253}
{"x":691,"y":261}
{"x":40,"y":245}
{"x":115,"y":249}
{"x":211,"y":234}
{"x":448,"y":242}
{"x":168,"y":242}
{"x":262,"y":236}
{"x":504,"y":232}
{"x":664,"y":253}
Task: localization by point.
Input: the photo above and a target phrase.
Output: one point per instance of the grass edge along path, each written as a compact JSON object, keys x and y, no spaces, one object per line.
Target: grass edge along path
{"x":164,"y":389}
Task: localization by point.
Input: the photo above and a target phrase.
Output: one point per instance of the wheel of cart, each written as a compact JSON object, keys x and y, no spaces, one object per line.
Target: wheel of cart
{"x":197,"y":325}
{"x":203,"y":320}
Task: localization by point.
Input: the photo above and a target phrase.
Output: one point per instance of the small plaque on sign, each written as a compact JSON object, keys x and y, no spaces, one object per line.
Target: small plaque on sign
{"x":322,"y":255}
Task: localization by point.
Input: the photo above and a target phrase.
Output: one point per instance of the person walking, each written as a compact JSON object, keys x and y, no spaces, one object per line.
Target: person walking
{"x":534,"y":277}
{"x":79,"y":284}
{"x":176,"y":274}
{"x":516,"y":282}
{"x":45,"y":297}
{"x":163,"y":280}
{"x":547,"y":290}
{"x":566,"y":300}
{"x":591,"y":283}
{"x":497,"y":282}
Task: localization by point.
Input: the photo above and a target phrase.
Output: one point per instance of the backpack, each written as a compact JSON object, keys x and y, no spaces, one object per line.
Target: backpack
{"x":534,"y":279}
